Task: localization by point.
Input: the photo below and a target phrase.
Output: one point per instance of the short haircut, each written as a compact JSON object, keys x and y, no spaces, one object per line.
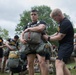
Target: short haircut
{"x":55,"y":12}
{"x":16,"y":37}
{"x":34,"y":10}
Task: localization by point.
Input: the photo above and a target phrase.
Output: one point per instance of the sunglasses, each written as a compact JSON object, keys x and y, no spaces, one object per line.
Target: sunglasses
{"x":34,"y":14}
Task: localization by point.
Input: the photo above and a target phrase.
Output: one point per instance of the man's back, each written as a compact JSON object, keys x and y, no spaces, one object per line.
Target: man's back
{"x":67,"y":29}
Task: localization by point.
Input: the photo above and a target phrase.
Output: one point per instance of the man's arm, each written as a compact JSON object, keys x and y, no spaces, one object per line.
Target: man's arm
{"x":57,"y":37}
{"x":38,"y":28}
{"x":55,"y":34}
{"x":22,"y":38}
{"x":7,"y":45}
{"x":1,"y":46}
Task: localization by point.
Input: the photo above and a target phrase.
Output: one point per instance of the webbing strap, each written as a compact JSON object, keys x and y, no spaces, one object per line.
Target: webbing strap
{"x":29,"y":35}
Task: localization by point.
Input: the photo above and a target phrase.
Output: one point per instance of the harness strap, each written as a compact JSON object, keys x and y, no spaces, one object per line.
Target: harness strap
{"x":29,"y":34}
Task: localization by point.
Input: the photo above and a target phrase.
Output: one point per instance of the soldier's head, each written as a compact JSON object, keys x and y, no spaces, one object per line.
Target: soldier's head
{"x":34,"y":15}
{"x":16,"y":37}
{"x":57,"y":15}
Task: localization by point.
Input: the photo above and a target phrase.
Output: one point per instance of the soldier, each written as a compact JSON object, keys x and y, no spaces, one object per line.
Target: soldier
{"x":34,"y":44}
{"x":65,"y":37}
{"x":1,"y":50}
{"x":12,"y":44}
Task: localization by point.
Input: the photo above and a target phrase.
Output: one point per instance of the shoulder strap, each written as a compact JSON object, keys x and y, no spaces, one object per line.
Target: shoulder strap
{"x":29,"y":24}
{"x":38,"y":22}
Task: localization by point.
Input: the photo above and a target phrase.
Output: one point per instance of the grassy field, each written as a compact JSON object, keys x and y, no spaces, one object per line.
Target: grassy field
{"x":70,"y":65}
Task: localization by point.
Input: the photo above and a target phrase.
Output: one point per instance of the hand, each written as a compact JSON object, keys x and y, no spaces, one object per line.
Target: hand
{"x":26,"y":30}
{"x":23,"y":41}
{"x":4,"y":46}
{"x":45,"y":37}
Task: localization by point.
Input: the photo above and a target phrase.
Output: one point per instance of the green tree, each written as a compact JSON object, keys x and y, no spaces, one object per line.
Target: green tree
{"x":67,"y":16}
{"x":4,"y":33}
{"x":74,"y":30}
{"x":44,"y":14}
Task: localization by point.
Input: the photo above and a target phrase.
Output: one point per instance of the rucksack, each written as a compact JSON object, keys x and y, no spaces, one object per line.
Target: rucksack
{"x":32,"y":37}
{"x":15,"y":63}
{"x":7,"y":50}
{"x":13,"y":59}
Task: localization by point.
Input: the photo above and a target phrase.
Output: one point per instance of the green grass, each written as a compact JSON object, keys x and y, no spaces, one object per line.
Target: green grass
{"x":73,"y":72}
{"x":70,"y":65}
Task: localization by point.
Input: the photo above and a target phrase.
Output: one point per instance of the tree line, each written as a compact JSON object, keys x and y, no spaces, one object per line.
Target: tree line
{"x":44,"y":14}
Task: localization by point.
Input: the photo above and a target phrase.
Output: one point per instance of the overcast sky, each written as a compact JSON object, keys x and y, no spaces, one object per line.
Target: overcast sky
{"x":10,"y":10}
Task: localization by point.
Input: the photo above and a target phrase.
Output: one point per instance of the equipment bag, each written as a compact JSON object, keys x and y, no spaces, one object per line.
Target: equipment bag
{"x":15,"y":63}
{"x":13,"y":59}
{"x":32,"y":37}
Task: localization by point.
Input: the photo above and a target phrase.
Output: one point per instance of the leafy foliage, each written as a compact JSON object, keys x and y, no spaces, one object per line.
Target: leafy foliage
{"x":4,"y":33}
{"x":44,"y":14}
{"x":24,"y":19}
{"x":74,"y":30}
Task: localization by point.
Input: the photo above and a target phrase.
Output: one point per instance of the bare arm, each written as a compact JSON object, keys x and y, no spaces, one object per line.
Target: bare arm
{"x":57,"y":37}
{"x":55,"y":34}
{"x":22,"y":38}
{"x":38,"y":28}
{"x":7,"y":45}
{"x":1,"y":46}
